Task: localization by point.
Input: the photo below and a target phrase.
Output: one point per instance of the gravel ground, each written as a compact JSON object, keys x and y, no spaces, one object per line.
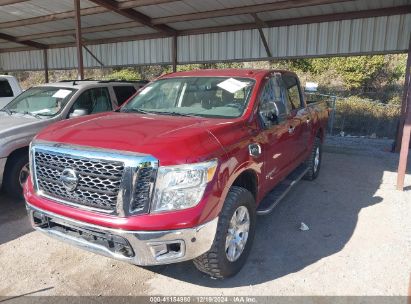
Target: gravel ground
{"x":359,"y":145}
{"x":359,"y":243}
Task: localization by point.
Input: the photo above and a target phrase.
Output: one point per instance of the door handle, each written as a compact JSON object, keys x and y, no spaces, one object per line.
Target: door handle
{"x":291,"y":129}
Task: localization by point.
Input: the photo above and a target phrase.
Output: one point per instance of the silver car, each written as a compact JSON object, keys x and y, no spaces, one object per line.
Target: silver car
{"x":40,"y":106}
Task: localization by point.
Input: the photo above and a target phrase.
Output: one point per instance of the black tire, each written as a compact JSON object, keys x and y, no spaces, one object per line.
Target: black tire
{"x":215,"y":262}
{"x":314,"y":170}
{"x":11,"y":181}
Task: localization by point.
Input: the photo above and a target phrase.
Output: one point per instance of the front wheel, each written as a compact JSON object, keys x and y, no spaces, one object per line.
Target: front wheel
{"x":234,"y":236}
{"x":16,"y":174}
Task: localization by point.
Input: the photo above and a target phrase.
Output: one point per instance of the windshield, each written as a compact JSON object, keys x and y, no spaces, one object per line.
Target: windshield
{"x":40,"y":101}
{"x":220,"y":97}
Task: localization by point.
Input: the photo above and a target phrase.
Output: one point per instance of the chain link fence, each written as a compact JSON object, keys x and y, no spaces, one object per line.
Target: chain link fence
{"x":355,"y":116}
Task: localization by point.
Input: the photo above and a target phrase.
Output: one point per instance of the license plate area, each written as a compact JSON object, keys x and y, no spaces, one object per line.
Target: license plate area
{"x":114,"y":243}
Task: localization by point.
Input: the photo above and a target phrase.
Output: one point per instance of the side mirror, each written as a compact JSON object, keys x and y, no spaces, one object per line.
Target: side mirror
{"x":78,"y":113}
{"x":272,"y":112}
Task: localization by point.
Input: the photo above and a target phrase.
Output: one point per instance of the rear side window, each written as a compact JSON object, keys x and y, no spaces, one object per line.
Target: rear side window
{"x":123,"y":93}
{"x":293,"y":92}
{"x":5,"y":89}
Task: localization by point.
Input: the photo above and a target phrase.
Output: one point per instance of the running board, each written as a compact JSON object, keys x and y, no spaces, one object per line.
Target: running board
{"x":279,"y":192}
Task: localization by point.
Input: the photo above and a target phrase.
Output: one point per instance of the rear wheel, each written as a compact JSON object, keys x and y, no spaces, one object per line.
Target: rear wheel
{"x":234,"y":236}
{"x":16,"y":174}
{"x":314,"y":160}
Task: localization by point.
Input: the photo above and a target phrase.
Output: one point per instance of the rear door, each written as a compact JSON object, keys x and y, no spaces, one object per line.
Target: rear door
{"x":276,"y":142}
{"x":298,"y":118}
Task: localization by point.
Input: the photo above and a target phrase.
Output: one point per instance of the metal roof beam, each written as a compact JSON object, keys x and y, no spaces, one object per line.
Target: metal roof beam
{"x":258,"y":21}
{"x":85,"y":30}
{"x":134,"y":15}
{"x":83,"y":12}
{"x":8,"y":2}
{"x":24,"y":42}
{"x":256,"y":8}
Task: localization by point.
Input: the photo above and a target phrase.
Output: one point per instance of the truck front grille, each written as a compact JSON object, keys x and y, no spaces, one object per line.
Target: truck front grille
{"x":106,"y":181}
{"x":98,"y":180}
{"x":142,"y":189}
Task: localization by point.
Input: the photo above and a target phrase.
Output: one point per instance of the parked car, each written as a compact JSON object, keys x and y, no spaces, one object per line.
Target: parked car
{"x":9,"y":88}
{"x":180,"y":171}
{"x":39,"y":107}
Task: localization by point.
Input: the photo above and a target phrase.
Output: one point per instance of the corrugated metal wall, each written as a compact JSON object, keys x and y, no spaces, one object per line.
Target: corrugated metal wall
{"x":371,"y":35}
{"x":359,"y":36}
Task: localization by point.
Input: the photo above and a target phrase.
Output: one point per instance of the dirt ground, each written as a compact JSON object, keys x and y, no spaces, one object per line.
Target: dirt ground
{"x":359,"y":243}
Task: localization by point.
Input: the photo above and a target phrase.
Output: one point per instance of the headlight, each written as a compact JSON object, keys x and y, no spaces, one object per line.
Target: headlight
{"x":181,"y":187}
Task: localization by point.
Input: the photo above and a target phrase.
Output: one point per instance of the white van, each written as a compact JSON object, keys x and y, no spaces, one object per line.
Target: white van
{"x":9,"y":88}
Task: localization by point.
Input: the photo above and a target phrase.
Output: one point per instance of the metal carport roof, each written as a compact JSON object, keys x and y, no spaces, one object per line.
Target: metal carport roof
{"x":140,"y":32}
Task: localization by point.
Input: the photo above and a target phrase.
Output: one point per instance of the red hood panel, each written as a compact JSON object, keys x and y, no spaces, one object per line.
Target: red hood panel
{"x":171,"y":139}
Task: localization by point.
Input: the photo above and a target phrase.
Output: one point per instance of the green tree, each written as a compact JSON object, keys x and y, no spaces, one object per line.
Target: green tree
{"x":125,"y":74}
{"x":356,"y":71}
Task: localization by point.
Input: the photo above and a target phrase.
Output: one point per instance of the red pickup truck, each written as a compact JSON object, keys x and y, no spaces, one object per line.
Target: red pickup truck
{"x":180,"y":171}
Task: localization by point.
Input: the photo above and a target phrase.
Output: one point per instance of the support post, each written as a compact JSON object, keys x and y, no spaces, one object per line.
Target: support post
{"x":46,"y":66}
{"x":174,"y":53}
{"x":332,"y":118}
{"x":78,"y":39}
{"x":405,"y":128}
{"x":404,"y":101}
{"x":405,"y":144}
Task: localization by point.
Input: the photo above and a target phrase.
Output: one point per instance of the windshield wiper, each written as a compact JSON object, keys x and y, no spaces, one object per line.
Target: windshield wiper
{"x":6,"y":110}
{"x":133,"y":110}
{"x":172,"y":113}
{"x":44,"y":114}
{"x":31,"y":114}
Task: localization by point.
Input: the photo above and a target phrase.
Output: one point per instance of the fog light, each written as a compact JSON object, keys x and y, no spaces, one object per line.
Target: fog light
{"x":167,"y":251}
{"x":39,"y":219}
{"x":159,"y":250}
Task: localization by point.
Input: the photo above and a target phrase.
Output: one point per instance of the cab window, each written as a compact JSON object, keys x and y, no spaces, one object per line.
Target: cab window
{"x":5,"y":89}
{"x":123,"y":93}
{"x":293,"y":96}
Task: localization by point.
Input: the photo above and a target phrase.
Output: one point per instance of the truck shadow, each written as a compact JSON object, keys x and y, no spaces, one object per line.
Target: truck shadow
{"x":330,"y":207}
{"x":14,"y":222}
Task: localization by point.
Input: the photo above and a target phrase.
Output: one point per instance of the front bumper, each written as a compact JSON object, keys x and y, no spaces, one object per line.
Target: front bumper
{"x":143,"y":248}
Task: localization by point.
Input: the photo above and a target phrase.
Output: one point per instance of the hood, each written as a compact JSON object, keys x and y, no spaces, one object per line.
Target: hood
{"x":12,"y":125}
{"x":171,"y":139}
{"x":10,"y":121}
{"x":17,"y":131}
